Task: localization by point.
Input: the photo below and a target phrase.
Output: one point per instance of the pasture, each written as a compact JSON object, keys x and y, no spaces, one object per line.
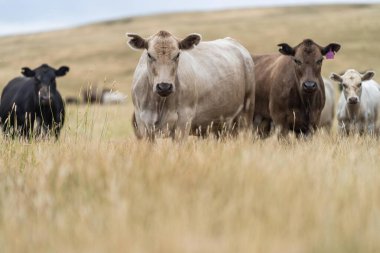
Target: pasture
{"x":98,"y":189}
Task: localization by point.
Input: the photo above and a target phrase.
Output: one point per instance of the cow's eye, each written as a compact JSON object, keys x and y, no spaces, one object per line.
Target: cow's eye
{"x":344,"y":85}
{"x":360,"y":85}
{"x":319,"y":62}
{"x":176,"y":57}
{"x":151,"y":57}
{"x":298,"y":62}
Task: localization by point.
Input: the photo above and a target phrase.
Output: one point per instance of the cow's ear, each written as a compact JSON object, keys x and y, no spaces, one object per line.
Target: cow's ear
{"x":136,"y":42}
{"x":330,"y":47}
{"x":368,"y":75}
{"x":285,"y":49}
{"x":62,"y":71}
{"x":190,"y":41}
{"x":27,"y":72}
{"x":336,"y":78}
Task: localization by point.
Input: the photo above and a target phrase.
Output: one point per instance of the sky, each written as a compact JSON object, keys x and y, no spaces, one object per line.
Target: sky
{"x":22,"y":16}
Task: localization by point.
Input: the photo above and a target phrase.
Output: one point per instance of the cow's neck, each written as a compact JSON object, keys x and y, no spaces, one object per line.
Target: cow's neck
{"x":158,"y":106}
{"x":307,"y":103}
{"x":353,"y":111}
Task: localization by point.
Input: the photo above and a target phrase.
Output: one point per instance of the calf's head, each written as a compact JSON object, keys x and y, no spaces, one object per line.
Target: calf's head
{"x":163,"y":53}
{"x":45,"y":80}
{"x":351,"y":82}
{"x":307,"y":60}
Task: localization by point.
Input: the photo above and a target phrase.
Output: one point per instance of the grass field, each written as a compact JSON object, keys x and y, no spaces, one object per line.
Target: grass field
{"x":98,"y":189}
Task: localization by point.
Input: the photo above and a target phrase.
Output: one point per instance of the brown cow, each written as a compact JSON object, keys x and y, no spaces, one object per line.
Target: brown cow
{"x":289,"y":88}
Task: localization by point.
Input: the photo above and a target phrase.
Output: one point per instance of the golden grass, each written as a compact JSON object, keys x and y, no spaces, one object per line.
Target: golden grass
{"x":98,"y":189}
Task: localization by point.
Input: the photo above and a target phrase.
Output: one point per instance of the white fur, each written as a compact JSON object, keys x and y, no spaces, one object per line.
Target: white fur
{"x":327,"y":114}
{"x":365,"y":118}
{"x":113,"y":97}
{"x":213,"y":81}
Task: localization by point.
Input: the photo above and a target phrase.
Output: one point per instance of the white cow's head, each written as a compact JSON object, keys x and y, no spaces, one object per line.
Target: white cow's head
{"x":163,"y":52}
{"x":351,"y":83}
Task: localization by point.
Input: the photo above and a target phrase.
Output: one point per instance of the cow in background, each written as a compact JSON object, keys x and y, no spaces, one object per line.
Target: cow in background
{"x":33,"y":97}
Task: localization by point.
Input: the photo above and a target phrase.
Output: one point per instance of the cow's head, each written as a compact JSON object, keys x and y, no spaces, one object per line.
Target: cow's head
{"x":163,"y":53}
{"x":307,"y":60}
{"x":351,"y":83}
{"x":45,"y":80}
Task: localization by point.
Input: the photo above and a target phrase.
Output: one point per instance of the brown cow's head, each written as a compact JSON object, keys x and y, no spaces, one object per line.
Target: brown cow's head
{"x":307,"y":61}
{"x":162,"y":56}
{"x":351,"y":82}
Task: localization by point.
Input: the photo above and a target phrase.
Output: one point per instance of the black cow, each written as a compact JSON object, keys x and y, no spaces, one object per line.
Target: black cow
{"x":31,"y":98}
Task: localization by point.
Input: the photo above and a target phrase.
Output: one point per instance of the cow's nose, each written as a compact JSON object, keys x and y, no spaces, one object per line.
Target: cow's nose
{"x":309,"y":85}
{"x":44,"y":96}
{"x":164,"y":89}
{"x":353,"y":100}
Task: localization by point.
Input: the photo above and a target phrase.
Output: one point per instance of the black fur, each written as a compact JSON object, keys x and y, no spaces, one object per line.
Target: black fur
{"x":32,"y":99}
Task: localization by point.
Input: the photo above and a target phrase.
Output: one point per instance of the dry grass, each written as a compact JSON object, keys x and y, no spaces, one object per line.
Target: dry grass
{"x":97,"y":189}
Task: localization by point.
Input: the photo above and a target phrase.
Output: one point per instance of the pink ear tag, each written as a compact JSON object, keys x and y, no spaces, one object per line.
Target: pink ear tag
{"x":330,"y":55}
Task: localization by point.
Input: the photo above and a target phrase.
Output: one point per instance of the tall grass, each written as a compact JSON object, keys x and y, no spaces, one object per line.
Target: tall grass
{"x":98,"y":189}
{"x":88,"y":193}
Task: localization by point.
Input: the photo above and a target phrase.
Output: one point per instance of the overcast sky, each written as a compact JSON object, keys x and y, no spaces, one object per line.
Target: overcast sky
{"x":22,"y":16}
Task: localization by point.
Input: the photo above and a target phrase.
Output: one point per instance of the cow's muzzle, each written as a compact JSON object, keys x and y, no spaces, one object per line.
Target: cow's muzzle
{"x":353,"y":100}
{"x":164,"y":89}
{"x":44,"y":97}
{"x":44,"y":100}
{"x":309,"y":86}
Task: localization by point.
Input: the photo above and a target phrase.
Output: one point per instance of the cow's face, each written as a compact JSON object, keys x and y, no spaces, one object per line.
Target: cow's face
{"x":163,"y":53}
{"x":351,"y":83}
{"x":45,"y":80}
{"x":307,"y":61}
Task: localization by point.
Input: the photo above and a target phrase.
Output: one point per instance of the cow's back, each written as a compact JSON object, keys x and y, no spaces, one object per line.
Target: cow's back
{"x":19,"y":92}
{"x":219,"y":75}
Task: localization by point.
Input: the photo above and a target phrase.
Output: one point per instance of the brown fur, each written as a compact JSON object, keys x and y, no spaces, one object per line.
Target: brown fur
{"x":279,"y":92}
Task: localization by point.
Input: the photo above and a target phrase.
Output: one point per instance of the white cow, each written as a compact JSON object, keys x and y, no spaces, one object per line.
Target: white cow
{"x":328,"y":112}
{"x":113,"y":97}
{"x":183,"y":87}
{"x":359,"y":102}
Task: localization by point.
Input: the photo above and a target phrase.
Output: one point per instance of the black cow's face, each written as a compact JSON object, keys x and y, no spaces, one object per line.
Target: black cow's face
{"x":45,"y":80}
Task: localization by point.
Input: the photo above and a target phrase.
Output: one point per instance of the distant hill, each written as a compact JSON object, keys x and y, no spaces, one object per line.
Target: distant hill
{"x":98,"y":53}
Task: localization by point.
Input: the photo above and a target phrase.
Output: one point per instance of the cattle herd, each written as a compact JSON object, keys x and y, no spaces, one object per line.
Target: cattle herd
{"x":191,"y":87}
{"x":183,"y":87}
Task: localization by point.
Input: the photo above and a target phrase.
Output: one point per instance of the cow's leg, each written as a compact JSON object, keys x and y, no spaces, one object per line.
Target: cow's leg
{"x":57,"y":130}
{"x":9,"y":125}
{"x":142,"y":132}
{"x":236,"y":126}
{"x":262,"y":126}
{"x":282,"y":132}
{"x":183,"y":125}
{"x":181,"y":131}
{"x":281,"y":126}
{"x":362,"y":127}
{"x":343,"y":128}
{"x":136,"y":128}
{"x":280,"y":119}
{"x":308,"y":133}
{"x":38,"y":127}
{"x":25,"y":127}
{"x":57,"y":123}
{"x":370,"y":126}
